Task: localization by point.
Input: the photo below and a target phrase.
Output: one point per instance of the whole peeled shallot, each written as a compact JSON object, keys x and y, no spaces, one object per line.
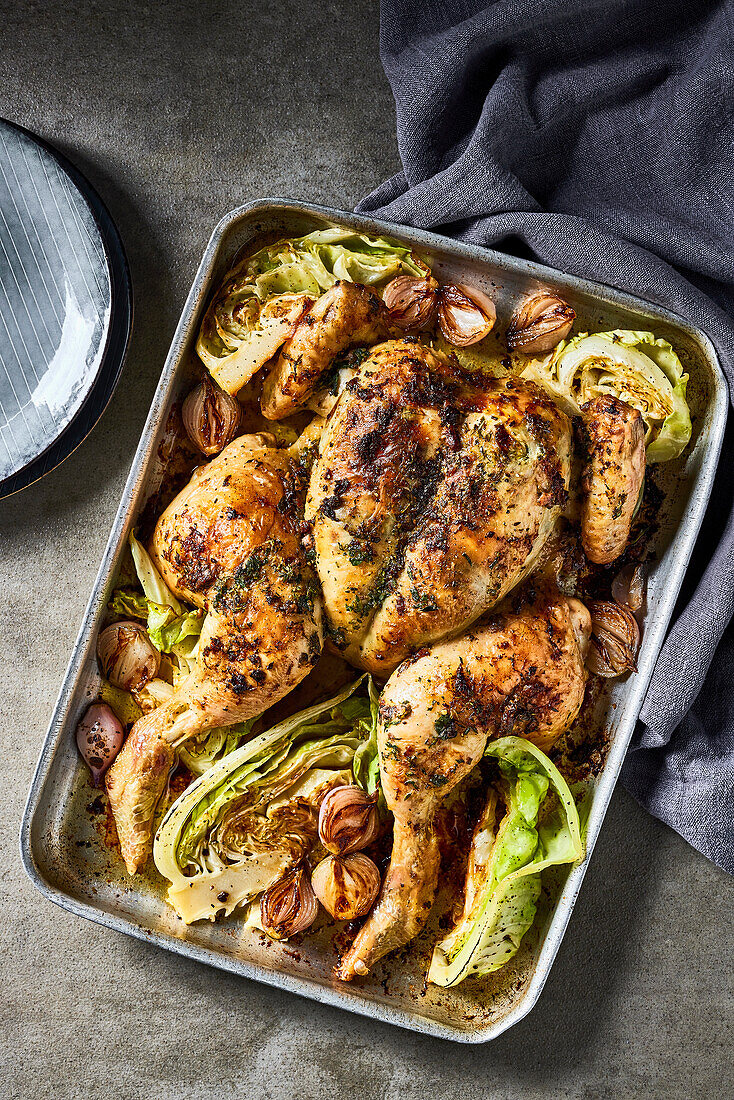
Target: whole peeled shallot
{"x":615,"y":639}
{"x":289,"y":906}
{"x":348,"y":819}
{"x":539,"y":324}
{"x":211,"y":417}
{"x":127,"y":656}
{"x":346,"y":885}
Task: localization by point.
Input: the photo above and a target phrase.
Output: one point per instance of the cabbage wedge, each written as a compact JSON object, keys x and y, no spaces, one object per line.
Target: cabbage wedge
{"x":506,"y":861}
{"x":252,"y":815}
{"x":171,"y":627}
{"x":264,"y":296}
{"x":636,"y":367}
{"x":201,"y":753}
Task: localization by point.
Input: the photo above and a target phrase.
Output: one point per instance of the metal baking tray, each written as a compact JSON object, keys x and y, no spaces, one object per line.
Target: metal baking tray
{"x":60,"y":843}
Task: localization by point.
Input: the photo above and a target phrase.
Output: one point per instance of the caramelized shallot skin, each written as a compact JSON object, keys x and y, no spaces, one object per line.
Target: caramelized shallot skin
{"x":346,"y":316}
{"x":539,"y":324}
{"x":519,"y":672}
{"x":613,"y":478}
{"x":224,"y":544}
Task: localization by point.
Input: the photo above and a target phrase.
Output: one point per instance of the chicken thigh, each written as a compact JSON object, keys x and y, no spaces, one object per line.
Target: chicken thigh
{"x":520,"y":671}
{"x":230,"y":543}
{"x":433,"y":495}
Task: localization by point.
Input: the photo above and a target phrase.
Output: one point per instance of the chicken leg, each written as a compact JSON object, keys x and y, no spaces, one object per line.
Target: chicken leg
{"x":228,"y":544}
{"x":613,"y":478}
{"x":519,"y":672}
{"x":347,"y":315}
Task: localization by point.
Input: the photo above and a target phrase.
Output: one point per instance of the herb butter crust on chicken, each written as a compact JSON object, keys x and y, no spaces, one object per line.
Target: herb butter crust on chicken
{"x":432,"y":497}
{"x":381,"y":604}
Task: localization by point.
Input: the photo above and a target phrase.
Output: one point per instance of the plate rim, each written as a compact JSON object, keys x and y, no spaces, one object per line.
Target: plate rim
{"x":118,"y":332}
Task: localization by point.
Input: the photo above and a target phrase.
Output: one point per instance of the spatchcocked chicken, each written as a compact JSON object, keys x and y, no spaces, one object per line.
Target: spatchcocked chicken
{"x":433,"y":494}
{"x":228,"y":545}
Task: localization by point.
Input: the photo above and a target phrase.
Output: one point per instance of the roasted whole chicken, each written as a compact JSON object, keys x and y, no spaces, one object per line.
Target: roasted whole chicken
{"x":415,"y":526}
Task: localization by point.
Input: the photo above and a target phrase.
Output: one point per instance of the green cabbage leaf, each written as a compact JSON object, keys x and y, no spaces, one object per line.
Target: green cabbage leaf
{"x":506,"y":861}
{"x":201,"y":753}
{"x":171,"y":627}
{"x":366,"y":764}
{"x":263,"y":296}
{"x":231,"y":834}
{"x":636,"y":367}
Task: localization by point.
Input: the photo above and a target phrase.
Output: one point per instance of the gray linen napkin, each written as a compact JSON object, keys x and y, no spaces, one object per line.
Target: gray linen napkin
{"x":597,"y":136}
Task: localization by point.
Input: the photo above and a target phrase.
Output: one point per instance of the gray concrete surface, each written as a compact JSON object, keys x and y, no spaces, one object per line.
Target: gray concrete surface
{"x":178,"y":112}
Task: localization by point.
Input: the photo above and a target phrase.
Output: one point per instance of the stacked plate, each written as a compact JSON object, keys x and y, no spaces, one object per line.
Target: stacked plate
{"x":65,"y":308}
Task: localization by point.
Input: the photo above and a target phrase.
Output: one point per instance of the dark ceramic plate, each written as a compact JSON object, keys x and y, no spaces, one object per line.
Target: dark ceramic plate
{"x":65,"y":308}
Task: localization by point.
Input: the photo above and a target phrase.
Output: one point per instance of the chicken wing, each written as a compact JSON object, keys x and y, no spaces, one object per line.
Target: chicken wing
{"x":346,"y":316}
{"x":613,"y":478}
{"x":520,"y":671}
{"x":433,"y":495}
{"x":229,"y":543}
{"x":254,"y":348}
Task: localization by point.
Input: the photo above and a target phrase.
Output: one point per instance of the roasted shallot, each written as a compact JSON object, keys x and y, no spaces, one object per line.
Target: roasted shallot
{"x":127,"y":656}
{"x":465,"y":314}
{"x":289,"y":906}
{"x":347,"y":885}
{"x":211,"y":417}
{"x":615,"y":639}
{"x":348,"y":819}
{"x":539,"y":324}
{"x":99,"y":738}
{"x":412,"y":302}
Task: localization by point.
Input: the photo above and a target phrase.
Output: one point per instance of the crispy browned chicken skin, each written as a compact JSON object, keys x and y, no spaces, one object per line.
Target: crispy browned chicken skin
{"x":346,"y":316}
{"x":226,"y":545}
{"x":520,"y":671}
{"x":433,"y":495}
{"x":613,"y":478}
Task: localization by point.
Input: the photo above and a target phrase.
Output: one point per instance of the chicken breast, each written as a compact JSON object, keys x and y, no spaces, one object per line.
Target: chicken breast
{"x":432,"y":497}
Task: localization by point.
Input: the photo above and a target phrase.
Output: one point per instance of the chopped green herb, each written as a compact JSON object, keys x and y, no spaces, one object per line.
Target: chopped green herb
{"x":445,"y":726}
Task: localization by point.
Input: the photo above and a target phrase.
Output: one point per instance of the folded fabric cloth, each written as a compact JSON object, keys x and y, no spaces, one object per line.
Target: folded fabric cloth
{"x":597,"y":136}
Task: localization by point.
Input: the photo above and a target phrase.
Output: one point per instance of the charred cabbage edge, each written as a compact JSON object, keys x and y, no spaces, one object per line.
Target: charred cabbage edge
{"x":635,"y":366}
